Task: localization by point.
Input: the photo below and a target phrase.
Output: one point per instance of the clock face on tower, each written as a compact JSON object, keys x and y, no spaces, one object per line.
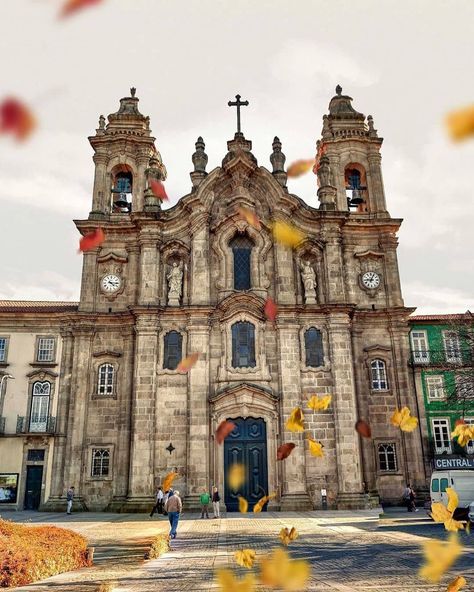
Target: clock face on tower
{"x":111,"y":283}
{"x":371,"y":280}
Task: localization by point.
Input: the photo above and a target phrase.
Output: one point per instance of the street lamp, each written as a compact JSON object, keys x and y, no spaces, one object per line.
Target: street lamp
{"x":4,"y":377}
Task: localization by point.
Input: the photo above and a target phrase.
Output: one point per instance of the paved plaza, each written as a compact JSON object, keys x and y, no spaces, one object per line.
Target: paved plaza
{"x":348,"y":551}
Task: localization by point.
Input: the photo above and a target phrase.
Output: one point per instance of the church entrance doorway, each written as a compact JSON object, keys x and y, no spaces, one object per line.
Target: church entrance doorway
{"x":247,"y":445}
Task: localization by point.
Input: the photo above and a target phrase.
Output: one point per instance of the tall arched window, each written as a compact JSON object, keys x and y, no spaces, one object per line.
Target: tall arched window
{"x":241,"y":250}
{"x":105,"y":379}
{"x":243,"y":345}
{"x":172,"y":350}
{"x":40,"y":406}
{"x":313,"y":342}
{"x":379,"y":375}
{"x":122,"y":192}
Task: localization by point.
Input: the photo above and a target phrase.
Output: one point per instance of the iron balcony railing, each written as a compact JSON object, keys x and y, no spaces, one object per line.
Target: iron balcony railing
{"x":25,"y":426}
{"x":441,"y":357}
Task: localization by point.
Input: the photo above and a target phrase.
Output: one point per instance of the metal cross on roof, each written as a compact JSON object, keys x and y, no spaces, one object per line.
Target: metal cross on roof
{"x":238,"y":103}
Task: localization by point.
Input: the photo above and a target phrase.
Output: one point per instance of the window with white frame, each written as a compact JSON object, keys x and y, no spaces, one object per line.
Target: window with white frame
{"x":106,"y":376}
{"x":452,"y":347}
{"x":470,"y":444}
{"x":3,"y":349}
{"x":40,"y":406}
{"x":100,"y":462}
{"x":441,"y":435}
{"x":435,"y":386}
{"x":419,"y":346}
{"x":387,"y":457}
{"x":378,"y":372}
{"x":45,"y":349}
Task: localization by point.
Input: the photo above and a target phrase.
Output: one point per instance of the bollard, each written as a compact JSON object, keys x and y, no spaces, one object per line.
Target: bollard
{"x":324,"y":499}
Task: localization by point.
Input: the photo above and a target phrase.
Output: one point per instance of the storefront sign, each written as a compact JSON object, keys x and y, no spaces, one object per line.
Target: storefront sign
{"x":453,"y":462}
{"x":8,"y":488}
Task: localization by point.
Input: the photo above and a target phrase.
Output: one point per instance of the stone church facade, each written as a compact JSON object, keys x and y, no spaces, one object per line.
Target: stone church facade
{"x":195,"y":278}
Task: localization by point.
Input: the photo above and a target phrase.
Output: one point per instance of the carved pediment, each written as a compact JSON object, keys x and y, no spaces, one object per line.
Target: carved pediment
{"x":113,"y":257}
{"x":242,"y":302}
{"x":107,"y":353}
{"x":42,"y":374}
{"x":245,"y":399}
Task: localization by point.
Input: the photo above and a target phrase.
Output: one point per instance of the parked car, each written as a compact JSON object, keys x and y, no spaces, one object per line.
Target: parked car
{"x":463,"y":484}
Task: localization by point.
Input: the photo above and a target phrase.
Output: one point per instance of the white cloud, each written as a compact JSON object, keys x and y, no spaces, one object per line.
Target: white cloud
{"x":42,"y":285}
{"x":435,"y":299}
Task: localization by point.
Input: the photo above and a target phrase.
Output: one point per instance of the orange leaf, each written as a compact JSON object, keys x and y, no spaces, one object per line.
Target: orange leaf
{"x":262,"y":501}
{"x":460,"y":123}
{"x":295,"y":421}
{"x":187,"y":363}
{"x":439,"y":557}
{"x":236,"y":476}
{"x":300,"y":167}
{"x":319,"y":403}
{"x":250,"y":217}
{"x":91,"y":241}
{"x":363,"y":428}
{"x":285,"y":450}
{"x":403,"y":420}
{"x":229,"y":583}
{"x":456,"y":584}
{"x":243,"y":505}
{"x":245,"y":557}
{"x":316,"y":448}
{"x":158,"y":189}
{"x":270,"y":309}
{"x":16,"y":119}
{"x":72,"y":6}
{"x":286,"y":234}
{"x":279,"y":571}
{"x":168,"y":480}
{"x":286,"y":535}
{"x":223,"y":430}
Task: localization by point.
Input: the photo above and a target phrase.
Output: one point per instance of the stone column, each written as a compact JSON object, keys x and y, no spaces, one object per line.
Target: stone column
{"x":377,"y":192}
{"x":89,"y":281}
{"x":294,"y":492}
{"x":133,"y":272}
{"x":140,"y":183}
{"x":334,"y":263}
{"x":149,"y":267}
{"x":100,"y":205}
{"x":284,"y":274}
{"x":200,"y":278}
{"x":350,"y":494}
{"x":389,"y":242}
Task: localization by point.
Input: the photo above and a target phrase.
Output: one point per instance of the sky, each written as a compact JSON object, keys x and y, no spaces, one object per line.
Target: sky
{"x":407,"y":63}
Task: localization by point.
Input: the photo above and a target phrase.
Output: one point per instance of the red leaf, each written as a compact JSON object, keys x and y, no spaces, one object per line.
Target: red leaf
{"x":187,"y":363}
{"x":72,"y":6}
{"x":285,"y":450}
{"x":16,"y":118}
{"x":363,"y":428}
{"x":459,"y":422}
{"x":223,"y":430}
{"x":158,"y":189}
{"x":270,"y":309}
{"x":92,"y":240}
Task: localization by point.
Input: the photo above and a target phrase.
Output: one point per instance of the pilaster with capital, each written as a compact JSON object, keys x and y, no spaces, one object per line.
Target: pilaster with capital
{"x":388,"y":243}
{"x":376,"y":182}
{"x":149,"y":268}
{"x":140,"y":182}
{"x":200,"y":272}
{"x":334,"y":263}
{"x":89,"y":281}
{"x":100,"y":192}
{"x":133,"y":250}
{"x":284,"y":274}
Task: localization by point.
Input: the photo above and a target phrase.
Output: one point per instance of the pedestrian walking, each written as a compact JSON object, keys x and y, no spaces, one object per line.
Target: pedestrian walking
{"x":69,"y":498}
{"x":205,"y":499}
{"x":173,"y":506}
{"x":412,"y":500}
{"x":215,"y":502}
{"x":158,"y":507}
{"x":165,"y":499}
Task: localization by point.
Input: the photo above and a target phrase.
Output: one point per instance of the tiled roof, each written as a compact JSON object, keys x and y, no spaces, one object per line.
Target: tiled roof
{"x":36,"y":306}
{"x":441,"y":317}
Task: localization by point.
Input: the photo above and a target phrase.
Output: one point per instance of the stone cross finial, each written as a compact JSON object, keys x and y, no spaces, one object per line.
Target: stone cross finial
{"x":277,"y":158}
{"x":133,"y":90}
{"x":199,"y":158}
{"x":238,"y":103}
{"x":101,"y":122}
{"x":338,"y":90}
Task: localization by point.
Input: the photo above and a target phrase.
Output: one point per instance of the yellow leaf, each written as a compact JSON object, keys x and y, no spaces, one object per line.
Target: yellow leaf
{"x":453,"y":499}
{"x":279,"y":571}
{"x":453,"y":525}
{"x":439,"y":512}
{"x":295,"y":421}
{"x":245,"y":557}
{"x":468,"y":528}
{"x":236,"y":476}
{"x":243,"y":505}
{"x":286,"y":536}
{"x":228,"y":583}
{"x":168,"y":480}
{"x":403,"y":420}
{"x":250,"y":217}
{"x":300,"y":167}
{"x":319,"y":403}
{"x":460,"y":123}
{"x":456,"y":584}
{"x":262,"y":501}
{"x":286,"y":234}
{"x":464,"y":433}
{"x":439,"y":557}
{"x":316,"y":448}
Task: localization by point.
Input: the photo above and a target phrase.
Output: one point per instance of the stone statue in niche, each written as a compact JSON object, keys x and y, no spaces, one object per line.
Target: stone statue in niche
{"x":309,"y":281}
{"x":175,"y":283}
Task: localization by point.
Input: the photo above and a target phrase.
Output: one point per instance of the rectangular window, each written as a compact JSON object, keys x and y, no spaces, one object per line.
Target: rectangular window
{"x":452,"y":347}
{"x":35,"y":455}
{"x":470,"y":444}
{"x":3,"y":349}
{"x":435,"y":386}
{"x":435,"y":485}
{"x":242,"y":269}
{"x":441,"y":435}
{"x":387,"y":457}
{"x":45,"y":352}
{"x":419,"y":344}
{"x":100,"y":462}
{"x":444,"y":485}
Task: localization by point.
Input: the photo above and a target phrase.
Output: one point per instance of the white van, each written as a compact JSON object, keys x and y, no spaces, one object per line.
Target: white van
{"x":463,"y":484}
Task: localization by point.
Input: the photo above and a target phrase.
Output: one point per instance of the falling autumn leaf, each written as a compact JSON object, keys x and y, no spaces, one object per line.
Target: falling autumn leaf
{"x":223,"y":430}
{"x":270,"y":309}
{"x":295,"y":421}
{"x":245,"y":557}
{"x":319,"y":403}
{"x":187,"y":363}
{"x":300,"y":167}
{"x":285,"y":450}
{"x":287,"y":535}
{"x":316,"y":448}
{"x":363,"y":428}
{"x":229,"y":583}
{"x":250,"y":217}
{"x":72,"y":6}
{"x":403,"y":420}
{"x":439,"y":557}
{"x":262,"y":501}
{"x":464,"y":433}
{"x":460,"y":123}
{"x":243,"y":505}
{"x":168,"y":480}
{"x":279,"y":571}
{"x":158,"y":189}
{"x":91,"y":241}
{"x":286,"y":234}
{"x":453,"y":499}
{"x":321,"y":152}
{"x":440,"y":513}
{"x":16,"y":119}
{"x":456,"y":584}
{"x":236,"y":476}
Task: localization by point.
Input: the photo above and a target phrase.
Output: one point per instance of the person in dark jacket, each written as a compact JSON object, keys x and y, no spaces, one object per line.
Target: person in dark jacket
{"x":215,"y":502}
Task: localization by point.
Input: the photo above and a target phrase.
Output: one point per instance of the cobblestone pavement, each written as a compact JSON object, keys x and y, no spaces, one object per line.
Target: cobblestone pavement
{"x":348,"y":551}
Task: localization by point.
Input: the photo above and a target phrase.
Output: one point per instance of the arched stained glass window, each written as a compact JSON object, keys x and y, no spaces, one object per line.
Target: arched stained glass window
{"x":241,"y":251}
{"x":243,"y":345}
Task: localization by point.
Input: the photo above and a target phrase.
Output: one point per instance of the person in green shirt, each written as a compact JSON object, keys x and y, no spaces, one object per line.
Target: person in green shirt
{"x":205,"y":499}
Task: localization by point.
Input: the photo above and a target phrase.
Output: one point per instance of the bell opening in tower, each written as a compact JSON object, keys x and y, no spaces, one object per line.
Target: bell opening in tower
{"x":121,"y":198}
{"x":356,"y":188}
